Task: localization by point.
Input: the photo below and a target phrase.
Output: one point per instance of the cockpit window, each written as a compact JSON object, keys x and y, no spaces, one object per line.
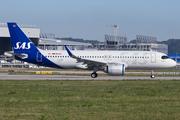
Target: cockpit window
{"x":164,"y":57}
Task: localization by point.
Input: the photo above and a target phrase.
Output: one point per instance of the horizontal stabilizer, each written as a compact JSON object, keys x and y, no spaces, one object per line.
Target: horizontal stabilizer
{"x":11,"y":54}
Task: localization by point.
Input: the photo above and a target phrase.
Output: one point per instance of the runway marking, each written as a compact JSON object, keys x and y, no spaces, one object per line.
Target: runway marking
{"x":5,"y":76}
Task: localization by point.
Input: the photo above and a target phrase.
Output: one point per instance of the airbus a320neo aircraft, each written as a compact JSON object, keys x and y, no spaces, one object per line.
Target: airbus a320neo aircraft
{"x":111,"y":62}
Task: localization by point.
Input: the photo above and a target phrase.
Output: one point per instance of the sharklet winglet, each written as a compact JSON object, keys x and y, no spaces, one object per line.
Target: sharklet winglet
{"x":68,"y":51}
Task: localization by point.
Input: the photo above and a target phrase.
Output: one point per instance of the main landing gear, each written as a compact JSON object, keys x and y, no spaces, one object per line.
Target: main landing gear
{"x":152,"y":75}
{"x":94,"y":74}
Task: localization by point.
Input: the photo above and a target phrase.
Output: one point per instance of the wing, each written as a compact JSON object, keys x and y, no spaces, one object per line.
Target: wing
{"x":90,"y":63}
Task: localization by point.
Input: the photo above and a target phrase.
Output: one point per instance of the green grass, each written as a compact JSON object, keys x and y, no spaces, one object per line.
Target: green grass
{"x":87,"y":100}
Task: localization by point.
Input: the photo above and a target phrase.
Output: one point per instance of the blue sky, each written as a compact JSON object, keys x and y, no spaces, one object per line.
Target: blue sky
{"x":87,"y":19}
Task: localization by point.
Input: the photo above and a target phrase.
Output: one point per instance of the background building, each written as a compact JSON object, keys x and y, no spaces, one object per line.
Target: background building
{"x":142,"y":43}
{"x":56,"y":44}
{"x":175,"y":57}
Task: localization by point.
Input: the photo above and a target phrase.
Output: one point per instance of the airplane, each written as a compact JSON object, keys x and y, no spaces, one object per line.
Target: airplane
{"x":111,"y":62}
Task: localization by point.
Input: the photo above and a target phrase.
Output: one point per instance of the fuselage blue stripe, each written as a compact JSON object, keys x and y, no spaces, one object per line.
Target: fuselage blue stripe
{"x":122,"y":69}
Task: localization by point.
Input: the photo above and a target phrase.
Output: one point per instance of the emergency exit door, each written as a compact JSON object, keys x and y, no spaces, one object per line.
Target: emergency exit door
{"x":153,"y":57}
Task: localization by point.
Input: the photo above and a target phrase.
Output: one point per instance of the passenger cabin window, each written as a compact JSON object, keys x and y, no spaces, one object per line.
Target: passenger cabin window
{"x":164,"y":57}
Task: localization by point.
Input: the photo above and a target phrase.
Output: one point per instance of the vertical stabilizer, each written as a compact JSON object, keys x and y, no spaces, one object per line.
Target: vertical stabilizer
{"x":20,"y":42}
{"x":25,"y":50}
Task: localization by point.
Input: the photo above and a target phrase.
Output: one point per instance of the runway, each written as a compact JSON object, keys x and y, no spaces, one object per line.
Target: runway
{"x":6,"y":76}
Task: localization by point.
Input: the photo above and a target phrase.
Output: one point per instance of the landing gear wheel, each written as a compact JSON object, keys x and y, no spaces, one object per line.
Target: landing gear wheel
{"x":94,"y":75}
{"x":152,"y":76}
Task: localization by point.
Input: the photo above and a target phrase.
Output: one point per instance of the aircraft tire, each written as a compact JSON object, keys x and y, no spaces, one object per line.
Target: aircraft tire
{"x":94,"y":75}
{"x":152,"y":76}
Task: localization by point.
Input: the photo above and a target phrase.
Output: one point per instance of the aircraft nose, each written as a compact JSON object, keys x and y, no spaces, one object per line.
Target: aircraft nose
{"x":173,"y":63}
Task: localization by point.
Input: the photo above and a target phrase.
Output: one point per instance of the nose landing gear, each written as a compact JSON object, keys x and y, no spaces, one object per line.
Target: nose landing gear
{"x":152,"y":75}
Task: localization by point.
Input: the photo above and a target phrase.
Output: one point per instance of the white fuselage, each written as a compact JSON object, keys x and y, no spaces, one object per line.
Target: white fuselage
{"x":131,"y":59}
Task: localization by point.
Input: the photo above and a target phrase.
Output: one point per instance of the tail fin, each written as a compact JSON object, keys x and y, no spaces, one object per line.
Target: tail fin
{"x":20,"y":42}
{"x":25,"y":50}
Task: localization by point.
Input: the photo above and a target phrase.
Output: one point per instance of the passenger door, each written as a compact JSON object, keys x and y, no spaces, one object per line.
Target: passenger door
{"x":39,"y":57}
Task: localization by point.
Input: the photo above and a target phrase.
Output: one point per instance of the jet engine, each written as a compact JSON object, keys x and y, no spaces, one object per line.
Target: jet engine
{"x":115,"y":69}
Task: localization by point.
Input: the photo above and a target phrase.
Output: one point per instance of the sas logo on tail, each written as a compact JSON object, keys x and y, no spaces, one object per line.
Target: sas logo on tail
{"x":24,"y":45}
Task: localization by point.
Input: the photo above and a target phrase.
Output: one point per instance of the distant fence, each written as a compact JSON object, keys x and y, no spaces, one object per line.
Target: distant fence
{"x":169,"y":73}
